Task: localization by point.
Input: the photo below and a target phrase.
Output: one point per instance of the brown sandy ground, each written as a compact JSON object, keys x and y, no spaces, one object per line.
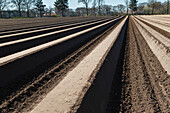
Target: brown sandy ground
{"x":15,"y":24}
{"x":144,"y":85}
{"x":28,"y":97}
{"x":163,"y":32}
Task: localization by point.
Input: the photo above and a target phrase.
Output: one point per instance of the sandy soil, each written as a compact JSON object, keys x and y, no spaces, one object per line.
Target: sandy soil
{"x":158,"y":43}
{"x":163,"y":32}
{"x":158,"y":17}
{"x":140,"y":84}
{"x":158,"y":23}
{"x":51,"y":77}
{"x":63,"y":97}
{"x":13,"y":24}
{"x":144,"y":84}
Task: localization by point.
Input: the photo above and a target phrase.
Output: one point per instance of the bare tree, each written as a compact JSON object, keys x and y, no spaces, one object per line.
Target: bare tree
{"x":133,"y":5}
{"x":94,"y":6}
{"x":148,"y":8}
{"x":167,"y":7}
{"x":142,"y":7}
{"x":86,"y":3}
{"x":28,"y":4}
{"x":114,"y":8}
{"x":127,"y":6}
{"x":9,"y":13}
{"x":61,"y":5}
{"x":99,"y":5}
{"x":18,"y":4}
{"x":121,"y":8}
{"x":152,"y":5}
{"x":40,"y":7}
{"x":107,"y":9}
{"x":3,"y":4}
{"x":80,"y":11}
{"x":50,"y":10}
{"x":46,"y":11}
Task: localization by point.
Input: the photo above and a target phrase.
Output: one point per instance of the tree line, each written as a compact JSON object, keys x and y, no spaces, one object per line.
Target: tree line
{"x":21,"y":5}
{"x":150,"y":7}
{"x":90,"y":8}
{"x":131,"y":6}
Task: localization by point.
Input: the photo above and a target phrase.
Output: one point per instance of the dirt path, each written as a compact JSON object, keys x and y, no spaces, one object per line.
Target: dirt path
{"x":144,"y":83}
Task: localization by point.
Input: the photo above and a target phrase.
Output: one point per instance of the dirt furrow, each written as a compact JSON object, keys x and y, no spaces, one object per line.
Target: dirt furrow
{"x":140,"y":83}
{"x":163,"y":32}
{"x":144,"y":83}
{"x":158,"y":77}
{"x":138,"y":92}
{"x":34,"y":91}
{"x":143,"y":71}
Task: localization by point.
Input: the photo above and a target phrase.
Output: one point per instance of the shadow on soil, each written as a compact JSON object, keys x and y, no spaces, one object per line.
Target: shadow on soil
{"x":104,"y":95}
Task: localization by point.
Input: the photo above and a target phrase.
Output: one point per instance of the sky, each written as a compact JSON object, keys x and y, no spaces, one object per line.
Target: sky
{"x":73,"y":4}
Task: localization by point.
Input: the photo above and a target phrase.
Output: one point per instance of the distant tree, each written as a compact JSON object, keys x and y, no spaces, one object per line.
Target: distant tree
{"x":163,"y":8}
{"x":86,"y":3}
{"x":61,"y":5}
{"x":40,"y":7}
{"x":94,"y":7}
{"x":147,"y":10}
{"x":46,"y":11}
{"x":152,"y":5}
{"x":28,"y":4}
{"x":142,"y":7}
{"x":71,"y":13}
{"x":167,"y":7}
{"x":107,"y":9}
{"x":133,"y":5}
{"x":115,"y":8}
{"x":18,"y":4}
{"x":158,"y":8}
{"x":50,"y":10}
{"x":121,"y":8}
{"x":9,"y":13}
{"x":127,"y":6}
{"x":3,"y":4}
{"x":99,"y":5}
{"x":80,"y":11}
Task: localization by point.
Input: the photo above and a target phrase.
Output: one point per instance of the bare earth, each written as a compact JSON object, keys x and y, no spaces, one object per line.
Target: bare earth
{"x":140,"y":84}
{"x":145,"y":83}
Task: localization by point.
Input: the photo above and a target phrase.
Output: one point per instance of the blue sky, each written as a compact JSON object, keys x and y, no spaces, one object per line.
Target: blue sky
{"x":73,"y":4}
